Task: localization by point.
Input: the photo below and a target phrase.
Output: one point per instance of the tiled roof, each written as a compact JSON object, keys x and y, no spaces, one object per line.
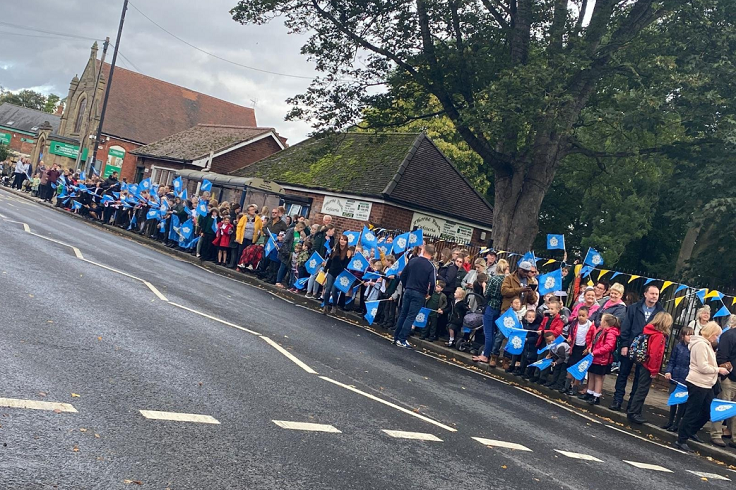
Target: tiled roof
{"x":24,"y":119}
{"x":197,"y":142}
{"x":405,"y":168}
{"x":144,"y":109}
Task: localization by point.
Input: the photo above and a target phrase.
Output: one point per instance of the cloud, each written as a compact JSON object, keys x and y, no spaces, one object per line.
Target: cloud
{"x":33,"y":59}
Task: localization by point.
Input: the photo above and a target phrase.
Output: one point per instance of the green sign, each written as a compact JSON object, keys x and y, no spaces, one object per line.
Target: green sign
{"x":112,"y":152}
{"x":66,"y":150}
{"x":109,"y":169}
{"x":27,"y":140}
{"x":5,"y":138}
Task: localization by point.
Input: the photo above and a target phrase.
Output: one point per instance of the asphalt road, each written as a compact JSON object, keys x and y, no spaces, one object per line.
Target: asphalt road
{"x":73,"y":331}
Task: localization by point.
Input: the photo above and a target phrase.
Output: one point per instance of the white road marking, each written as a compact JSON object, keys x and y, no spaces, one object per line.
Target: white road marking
{"x":289,"y":355}
{"x":643,"y":438}
{"x":306,"y":426}
{"x":419,"y":436}
{"x":113,"y":270}
{"x":647,"y":466}
{"x":155,"y":291}
{"x":215,"y":319}
{"x":77,"y":252}
{"x":552,"y":402}
{"x":179,"y":417}
{"x":26,"y":227}
{"x":3,"y":216}
{"x":504,"y":444}
{"x":710,"y":476}
{"x":387,"y":403}
{"x":36,"y":405}
{"x":584,"y":457}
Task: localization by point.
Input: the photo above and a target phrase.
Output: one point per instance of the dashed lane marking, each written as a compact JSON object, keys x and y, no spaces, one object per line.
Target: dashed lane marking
{"x":389,"y":404}
{"x":215,"y":319}
{"x":179,"y":417}
{"x":306,"y":426}
{"x":552,"y":402}
{"x":647,"y":466}
{"x":155,"y":291}
{"x":584,"y":457}
{"x":418,"y":436}
{"x":504,"y":444}
{"x":288,"y":355}
{"x":710,"y":476}
{"x":3,"y":216}
{"x":643,"y":438}
{"x":36,"y":405}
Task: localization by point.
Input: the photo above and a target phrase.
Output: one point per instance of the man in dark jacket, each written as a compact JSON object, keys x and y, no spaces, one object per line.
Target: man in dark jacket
{"x":637,"y":316}
{"x":727,"y":354}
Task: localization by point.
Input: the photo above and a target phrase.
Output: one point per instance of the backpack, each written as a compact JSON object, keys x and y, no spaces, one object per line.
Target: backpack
{"x":639,"y":350}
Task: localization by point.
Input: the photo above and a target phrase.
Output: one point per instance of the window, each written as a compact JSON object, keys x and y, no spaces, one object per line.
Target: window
{"x":163,"y":176}
{"x":80,"y":115}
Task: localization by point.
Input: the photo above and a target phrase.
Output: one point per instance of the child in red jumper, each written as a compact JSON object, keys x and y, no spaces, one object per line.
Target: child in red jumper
{"x":656,"y":330}
{"x":222,"y":239}
{"x":604,"y":343}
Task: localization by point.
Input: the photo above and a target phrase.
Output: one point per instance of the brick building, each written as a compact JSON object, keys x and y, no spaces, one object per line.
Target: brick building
{"x":20,"y":128}
{"x":140,"y":111}
{"x":395,"y":181}
{"x":207,"y":147}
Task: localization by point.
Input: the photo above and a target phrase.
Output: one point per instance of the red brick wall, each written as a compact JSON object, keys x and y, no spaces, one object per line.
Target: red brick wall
{"x":129,"y":162}
{"x":21,"y":146}
{"x":244,"y":156}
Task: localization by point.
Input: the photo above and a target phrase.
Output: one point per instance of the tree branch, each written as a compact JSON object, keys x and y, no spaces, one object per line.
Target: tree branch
{"x":557,"y":29}
{"x":405,"y":121}
{"x":520,"y":36}
{"x":496,"y":14}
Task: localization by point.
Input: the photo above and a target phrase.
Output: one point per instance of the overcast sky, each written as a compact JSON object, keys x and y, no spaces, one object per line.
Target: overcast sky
{"x":47,"y":63}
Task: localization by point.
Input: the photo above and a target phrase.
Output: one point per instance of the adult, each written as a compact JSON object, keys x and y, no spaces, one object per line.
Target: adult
{"x":19,"y":175}
{"x":613,"y":304}
{"x":589,"y":300}
{"x":600,"y":290}
{"x":491,"y":259}
{"x":338,"y":261}
{"x":519,"y":285}
{"x":637,"y":316}
{"x":53,"y":178}
{"x":418,"y":281}
{"x":111,"y":180}
{"x":273,"y":228}
{"x":491,"y":313}
{"x":700,"y":380}
{"x":293,"y":237}
{"x":702,"y":317}
{"x":479,"y":267}
{"x":725,"y":357}
{"x":326,"y":220}
{"x":248,"y":230}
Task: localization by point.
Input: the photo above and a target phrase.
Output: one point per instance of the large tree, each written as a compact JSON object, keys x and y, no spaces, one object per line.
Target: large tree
{"x":513,"y":76}
{"x":31,"y":99}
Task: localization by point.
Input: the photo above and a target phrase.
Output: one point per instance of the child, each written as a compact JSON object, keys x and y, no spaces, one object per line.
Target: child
{"x":294,"y":271}
{"x":34,"y":184}
{"x":580,"y":339}
{"x":375,"y":287}
{"x":518,"y":308}
{"x":552,"y":321}
{"x":677,"y":370}
{"x":222,"y":239}
{"x":438,"y":303}
{"x":604,"y":343}
{"x":392,"y":294}
{"x":530,"y":323}
{"x":657,"y":330}
{"x":459,"y":309}
{"x":559,"y":354}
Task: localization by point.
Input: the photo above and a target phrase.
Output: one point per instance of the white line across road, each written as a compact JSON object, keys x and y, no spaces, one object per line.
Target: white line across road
{"x":584,"y":457}
{"x":179,"y":417}
{"x":648,"y":466}
{"x":503,"y":444}
{"x":418,"y":436}
{"x":36,"y":405}
{"x":306,"y":426}
{"x":710,"y":476}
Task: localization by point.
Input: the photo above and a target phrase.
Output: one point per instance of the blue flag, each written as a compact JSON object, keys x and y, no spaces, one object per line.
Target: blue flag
{"x":371,"y":308}
{"x":175,"y":228}
{"x":153,"y":214}
{"x":542,"y":364}
{"x":328,"y":249}
{"x":352,"y":237}
{"x":579,"y":370}
{"x":164,"y":206}
{"x":371,"y":276}
{"x":586,"y":270}
{"x":722,"y":410}
{"x":549,"y":283}
{"x":679,"y":396}
{"x":301,"y":283}
{"x":214,"y":225}
{"x":515,"y":344}
{"x":422,"y":317}
{"x":384,"y":247}
{"x":145,"y":185}
{"x":206,"y":186}
{"x":184,"y":195}
{"x":83,"y":188}
{"x":178,"y":183}
{"x":314,"y":263}
{"x":416,"y":238}
{"x":400,"y":243}
{"x":133,"y":220}
{"x":358,"y":263}
{"x":529,"y":257}
{"x":133,"y":189}
{"x":81,"y":175}
{"x":202,"y":208}
{"x":368,"y":238}
{"x":116,"y":194}
{"x":270,"y":246}
{"x":555,"y":242}
{"x":593,"y":258}
{"x":398,"y":266}
{"x":76,"y":205}
{"x":555,"y":342}
{"x":507,"y":322}
{"x":186,"y":229}
{"x":106,"y":199}
{"x":344,"y":280}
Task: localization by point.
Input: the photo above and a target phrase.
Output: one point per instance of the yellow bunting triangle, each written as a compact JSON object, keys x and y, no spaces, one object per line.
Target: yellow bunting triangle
{"x":550,"y":261}
{"x":734,"y":301}
{"x":679,"y":300}
{"x":502,"y":251}
{"x":633,"y":278}
{"x":712,"y":294}
{"x":590,"y":283}
{"x":666,"y":285}
{"x":603,"y":273}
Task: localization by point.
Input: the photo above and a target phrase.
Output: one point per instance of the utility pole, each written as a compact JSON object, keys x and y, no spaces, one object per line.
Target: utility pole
{"x":92,"y":110}
{"x":109,"y":81}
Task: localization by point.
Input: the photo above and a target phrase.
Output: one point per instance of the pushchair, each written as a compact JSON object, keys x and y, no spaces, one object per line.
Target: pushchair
{"x":472,"y":332}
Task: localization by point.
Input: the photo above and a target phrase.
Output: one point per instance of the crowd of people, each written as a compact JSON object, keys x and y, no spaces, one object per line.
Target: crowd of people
{"x":601,"y":322}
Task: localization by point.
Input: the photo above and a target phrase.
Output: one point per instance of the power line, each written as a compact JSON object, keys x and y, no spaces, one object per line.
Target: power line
{"x":216,"y":56}
{"x":34,"y":29}
{"x":129,"y":62}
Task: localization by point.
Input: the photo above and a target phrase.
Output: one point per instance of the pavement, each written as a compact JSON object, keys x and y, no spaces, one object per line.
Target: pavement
{"x":123,"y":366}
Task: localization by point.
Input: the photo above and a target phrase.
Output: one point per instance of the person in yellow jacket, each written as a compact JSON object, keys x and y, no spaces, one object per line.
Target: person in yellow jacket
{"x":248,"y":229}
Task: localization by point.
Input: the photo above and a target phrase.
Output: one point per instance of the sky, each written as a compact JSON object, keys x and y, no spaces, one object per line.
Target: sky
{"x":47,"y":63}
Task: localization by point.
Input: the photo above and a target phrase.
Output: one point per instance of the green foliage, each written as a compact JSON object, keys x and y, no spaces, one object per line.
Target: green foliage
{"x":4,"y":152}
{"x":31,"y":100}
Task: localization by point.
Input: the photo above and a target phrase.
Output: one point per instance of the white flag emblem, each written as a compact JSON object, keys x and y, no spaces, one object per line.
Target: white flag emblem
{"x":312,"y":264}
{"x":583,"y":366}
{"x":554,"y":241}
{"x":549,"y":283}
{"x":401,"y":242}
{"x":344,"y":281}
{"x":509,"y":322}
{"x":374,"y":312}
{"x":723,"y":408}
{"x":420,"y":318}
{"x":412,"y":238}
{"x":516,"y":342}
{"x":597,"y":260}
{"x":682,"y":394}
